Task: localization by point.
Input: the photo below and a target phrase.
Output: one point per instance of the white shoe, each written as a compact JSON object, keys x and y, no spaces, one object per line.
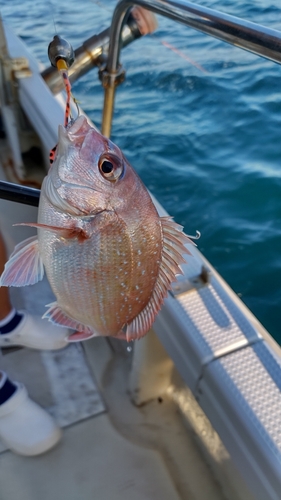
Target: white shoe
{"x":37,"y":333}
{"x":25,"y":427}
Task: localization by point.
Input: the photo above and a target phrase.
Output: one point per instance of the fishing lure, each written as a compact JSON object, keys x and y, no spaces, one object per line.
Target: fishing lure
{"x":61,"y":56}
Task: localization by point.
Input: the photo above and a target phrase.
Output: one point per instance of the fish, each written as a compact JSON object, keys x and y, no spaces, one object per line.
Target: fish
{"x":109,"y":257}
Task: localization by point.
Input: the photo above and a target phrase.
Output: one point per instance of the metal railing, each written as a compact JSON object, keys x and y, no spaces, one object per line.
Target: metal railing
{"x":252,"y":37}
{"x":92,"y":53}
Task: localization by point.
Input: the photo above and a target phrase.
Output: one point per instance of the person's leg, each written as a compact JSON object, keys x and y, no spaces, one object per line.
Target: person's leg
{"x":23,"y":329}
{"x":7,"y":388}
{"x":6,"y":306}
{"x":25,"y":427}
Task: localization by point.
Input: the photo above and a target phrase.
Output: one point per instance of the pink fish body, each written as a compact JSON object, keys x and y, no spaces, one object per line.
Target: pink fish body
{"x":110,"y":259}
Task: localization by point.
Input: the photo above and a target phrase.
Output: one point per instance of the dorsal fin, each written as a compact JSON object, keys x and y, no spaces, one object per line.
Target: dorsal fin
{"x":172,"y":256}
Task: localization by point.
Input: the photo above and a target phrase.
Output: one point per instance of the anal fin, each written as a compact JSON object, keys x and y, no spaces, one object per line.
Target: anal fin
{"x":142,"y":322}
{"x":56,"y":315}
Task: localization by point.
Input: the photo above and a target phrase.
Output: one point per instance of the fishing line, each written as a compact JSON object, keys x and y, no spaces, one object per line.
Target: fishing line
{"x":61,"y":56}
{"x":168,"y":45}
{"x":52,"y":9}
{"x":62,"y":69}
{"x":181,"y":54}
{"x":102,"y":6}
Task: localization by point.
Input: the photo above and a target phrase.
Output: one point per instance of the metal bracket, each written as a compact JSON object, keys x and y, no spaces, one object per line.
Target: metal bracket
{"x":195,"y":283}
{"x":20,"y":67}
{"x":111,"y":79}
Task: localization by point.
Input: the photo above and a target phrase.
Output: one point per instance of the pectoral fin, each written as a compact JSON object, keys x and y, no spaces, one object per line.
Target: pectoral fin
{"x":25,"y":266}
{"x":64,"y":232}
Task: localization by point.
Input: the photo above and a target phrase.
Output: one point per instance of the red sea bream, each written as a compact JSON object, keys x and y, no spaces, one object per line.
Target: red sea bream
{"x":110,"y":259}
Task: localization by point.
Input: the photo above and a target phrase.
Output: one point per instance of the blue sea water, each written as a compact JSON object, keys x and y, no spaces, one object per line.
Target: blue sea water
{"x":207,"y":142}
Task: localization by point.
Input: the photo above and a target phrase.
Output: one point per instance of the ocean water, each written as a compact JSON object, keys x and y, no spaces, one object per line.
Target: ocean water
{"x":204,"y":135}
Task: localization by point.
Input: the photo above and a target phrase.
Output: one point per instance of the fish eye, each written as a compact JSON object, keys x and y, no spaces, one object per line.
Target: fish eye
{"x":110,"y":166}
{"x":107,"y":167}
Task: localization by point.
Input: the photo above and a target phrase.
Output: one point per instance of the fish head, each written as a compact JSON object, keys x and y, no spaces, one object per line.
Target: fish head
{"x":90,"y":173}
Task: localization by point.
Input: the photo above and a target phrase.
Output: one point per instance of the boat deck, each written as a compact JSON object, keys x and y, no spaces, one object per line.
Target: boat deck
{"x":110,"y":449}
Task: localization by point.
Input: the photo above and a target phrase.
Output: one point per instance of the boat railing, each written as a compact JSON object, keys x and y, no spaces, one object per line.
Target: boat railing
{"x":252,"y":37}
{"x":104,"y":50}
{"x":92,"y":53}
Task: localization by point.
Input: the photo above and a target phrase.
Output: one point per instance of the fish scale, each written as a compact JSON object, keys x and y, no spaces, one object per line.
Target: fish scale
{"x":109,"y":257}
{"x":104,"y":280}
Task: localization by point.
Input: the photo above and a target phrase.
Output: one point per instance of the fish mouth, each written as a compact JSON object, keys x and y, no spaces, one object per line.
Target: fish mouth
{"x":77,"y":128}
